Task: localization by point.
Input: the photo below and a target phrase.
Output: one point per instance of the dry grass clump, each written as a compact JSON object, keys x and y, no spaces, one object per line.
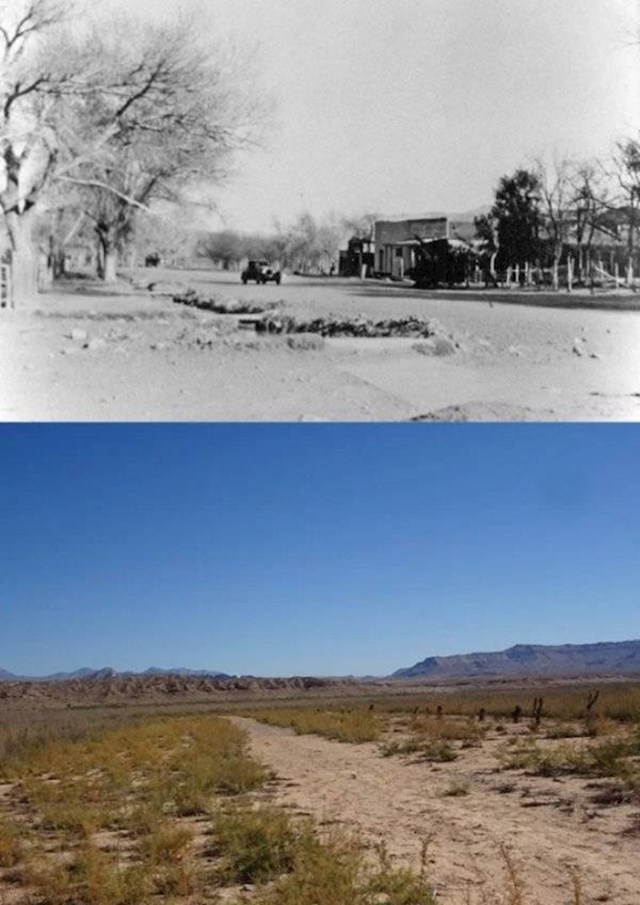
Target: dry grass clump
{"x":89,"y":877}
{"x":11,"y":837}
{"x":432,"y":738}
{"x":436,"y":750}
{"x":336,"y":871}
{"x":342,"y":725}
{"x":447,"y":729}
{"x":615,"y":757}
{"x":255,"y":845}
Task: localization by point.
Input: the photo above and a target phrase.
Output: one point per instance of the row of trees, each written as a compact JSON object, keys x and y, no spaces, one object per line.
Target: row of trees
{"x":306,"y":245}
{"x":98,"y":125}
{"x":538,"y":213}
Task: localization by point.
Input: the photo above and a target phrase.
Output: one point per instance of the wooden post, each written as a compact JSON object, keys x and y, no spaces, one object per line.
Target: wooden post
{"x":616,"y":273}
{"x":517,"y":275}
{"x":569,"y":273}
{"x":6,"y":287}
{"x":630,"y":273}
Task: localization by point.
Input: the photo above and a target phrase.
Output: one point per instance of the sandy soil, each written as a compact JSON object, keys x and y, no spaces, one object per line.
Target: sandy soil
{"x":89,"y":355}
{"x":548,"y":826}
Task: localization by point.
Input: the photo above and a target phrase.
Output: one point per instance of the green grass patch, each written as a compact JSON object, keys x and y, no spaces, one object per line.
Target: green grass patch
{"x":343,"y":725}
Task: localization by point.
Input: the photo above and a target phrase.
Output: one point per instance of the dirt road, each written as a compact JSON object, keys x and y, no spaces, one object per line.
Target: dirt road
{"x":549,"y":827}
{"x":88,"y":355}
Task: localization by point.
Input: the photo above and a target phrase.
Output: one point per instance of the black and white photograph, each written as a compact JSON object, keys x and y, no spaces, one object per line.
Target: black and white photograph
{"x":286,"y":211}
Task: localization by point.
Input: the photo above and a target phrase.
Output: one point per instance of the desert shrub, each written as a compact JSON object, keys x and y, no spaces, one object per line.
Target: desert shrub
{"x":305,"y":342}
{"x":457,"y":788}
{"x":438,"y":750}
{"x":167,"y":844}
{"x":612,"y":757}
{"x":10,"y":843}
{"x":255,"y":845}
{"x":434,"y":749}
{"x":335,"y":871}
{"x":239,"y":775}
{"x":408,"y":746}
{"x":448,"y":729}
{"x":90,"y":877}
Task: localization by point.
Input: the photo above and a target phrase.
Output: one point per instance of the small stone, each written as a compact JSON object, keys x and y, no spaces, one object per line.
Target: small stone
{"x":79,"y":336}
{"x":95,"y":344}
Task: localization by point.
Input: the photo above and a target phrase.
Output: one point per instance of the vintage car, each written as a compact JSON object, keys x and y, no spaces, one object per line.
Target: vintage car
{"x":261,"y":272}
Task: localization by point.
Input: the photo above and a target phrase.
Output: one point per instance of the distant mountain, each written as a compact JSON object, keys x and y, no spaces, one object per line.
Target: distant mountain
{"x":106,"y":672}
{"x":603,"y":658}
{"x":182,"y":671}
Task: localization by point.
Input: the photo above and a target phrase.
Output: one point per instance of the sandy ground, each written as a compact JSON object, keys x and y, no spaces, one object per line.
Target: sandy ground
{"x":89,"y":355}
{"x":548,"y":826}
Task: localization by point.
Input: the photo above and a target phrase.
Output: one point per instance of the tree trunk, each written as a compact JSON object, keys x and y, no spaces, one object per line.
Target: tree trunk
{"x":110,"y":261}
{"x":556,"y":274}
{"x":24,"y":258}
{"x":107,"y":255}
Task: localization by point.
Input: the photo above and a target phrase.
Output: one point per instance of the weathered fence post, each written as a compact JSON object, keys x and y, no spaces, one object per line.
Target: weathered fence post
{"x":6,"y":287}
{"x":569,"y":273}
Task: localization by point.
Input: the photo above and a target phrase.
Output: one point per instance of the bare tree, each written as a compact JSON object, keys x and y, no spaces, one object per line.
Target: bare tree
{"x":33,"y":80}
{"x":225,"y":248}
{"x":590,"y":204}
{"x":626,"y":174}
{"x":556,"y":193}
{"x":308,"y":244}
{"x":164,"y":112}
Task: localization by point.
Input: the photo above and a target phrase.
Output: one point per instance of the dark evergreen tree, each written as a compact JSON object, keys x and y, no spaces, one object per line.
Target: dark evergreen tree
{"x":516,"y":213}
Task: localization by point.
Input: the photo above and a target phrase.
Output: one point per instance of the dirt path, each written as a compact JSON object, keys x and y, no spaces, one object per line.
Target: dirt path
{"x":547,"y":826}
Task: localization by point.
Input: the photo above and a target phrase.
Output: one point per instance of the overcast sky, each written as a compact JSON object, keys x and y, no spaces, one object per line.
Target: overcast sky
{"x":317,"y":549}
{"x":420,"y":105}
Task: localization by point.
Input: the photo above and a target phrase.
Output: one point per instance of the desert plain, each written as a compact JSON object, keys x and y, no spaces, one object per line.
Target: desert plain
{"x":86,"y":352}
{"x":194,"y":790}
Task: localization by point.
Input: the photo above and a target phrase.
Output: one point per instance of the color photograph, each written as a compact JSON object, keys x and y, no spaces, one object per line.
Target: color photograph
{"x":323,"y":664}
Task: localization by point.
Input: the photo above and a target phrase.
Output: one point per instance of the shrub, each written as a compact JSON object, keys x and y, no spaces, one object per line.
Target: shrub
{"x":10,"y":844}
{"x":255,"y":845}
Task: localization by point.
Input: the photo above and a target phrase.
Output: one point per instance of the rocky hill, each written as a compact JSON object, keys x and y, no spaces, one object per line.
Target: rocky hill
{"x":108,"y":689}
{"x":106,"y":672}
{"x":603,"y":658}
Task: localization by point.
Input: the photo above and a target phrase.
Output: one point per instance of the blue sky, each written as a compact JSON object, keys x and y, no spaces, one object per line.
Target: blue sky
{"x":315,"y":549}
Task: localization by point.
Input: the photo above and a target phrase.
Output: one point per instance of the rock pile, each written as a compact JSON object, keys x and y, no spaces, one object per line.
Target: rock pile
{"x":330,"y":326}
{"x":192,"y":299}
